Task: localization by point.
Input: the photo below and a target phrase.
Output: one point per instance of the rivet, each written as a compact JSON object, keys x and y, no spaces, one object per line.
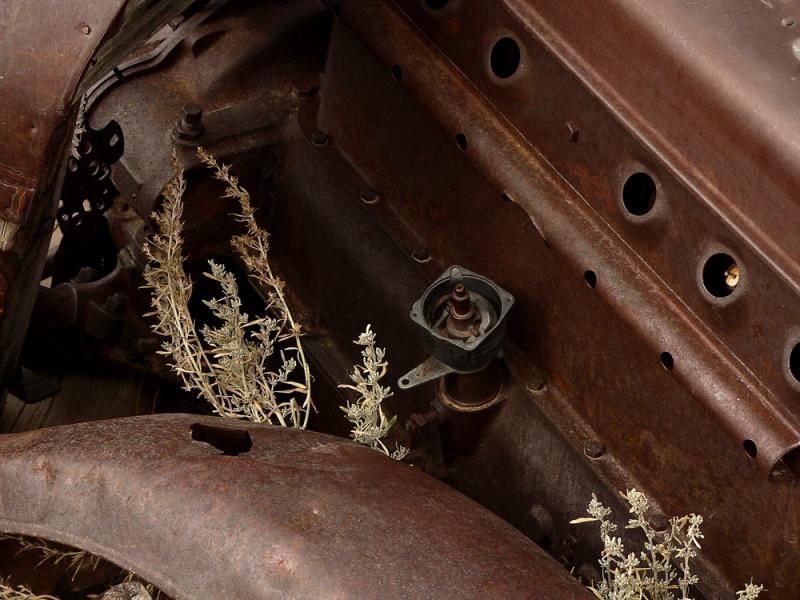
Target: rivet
{"x":369,"y":196}
{"x":319,"y":137}
{"x":420,"y":254}
{"x":594,"y":449}
{"x":573,"y":131}
{"x":787,"y":22}
{"x":85,"y":29}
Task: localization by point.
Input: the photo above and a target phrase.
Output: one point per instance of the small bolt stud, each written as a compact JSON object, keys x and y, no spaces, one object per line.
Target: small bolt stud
{"x":369,"y":196}
{"x":421,"y":255}
{"x":594,"y":449}
{"x":189,"y":129}
{"x":573,"y":132}
{"x":319,"y":137}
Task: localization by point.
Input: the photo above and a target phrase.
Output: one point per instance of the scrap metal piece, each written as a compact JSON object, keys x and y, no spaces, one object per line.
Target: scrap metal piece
{"x":298,"y":515}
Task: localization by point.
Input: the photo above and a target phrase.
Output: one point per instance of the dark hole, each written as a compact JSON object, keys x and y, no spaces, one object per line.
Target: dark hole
{"x":505,"y":58}
{"x":639,"y":194}
{"x":591,"y":279}
{"x":720,"y":275}
{"x":750,"y":448}
{"x":461,"y":140}
{"x":397,"y":72}
{"x":436,"y":4}
{"x":794,"y":362}
{"x":405,"y":381}
{"x":667,"y":361}
{"x":232,"y":442}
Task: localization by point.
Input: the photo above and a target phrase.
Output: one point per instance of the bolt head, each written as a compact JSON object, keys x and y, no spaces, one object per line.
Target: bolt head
{"x":192,"y":113}
{"x":369,"y":196}
{"x":319,"y":137}
{"x":594,"y":449}
{"x":573,"y":132}
{"x":421,"y":255}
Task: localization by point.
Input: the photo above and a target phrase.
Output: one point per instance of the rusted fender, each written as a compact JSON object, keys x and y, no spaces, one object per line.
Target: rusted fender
{"x":298,"y":515}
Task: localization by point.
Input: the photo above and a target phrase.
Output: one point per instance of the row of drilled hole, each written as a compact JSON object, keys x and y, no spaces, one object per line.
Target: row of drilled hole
{"x":638,"y":197}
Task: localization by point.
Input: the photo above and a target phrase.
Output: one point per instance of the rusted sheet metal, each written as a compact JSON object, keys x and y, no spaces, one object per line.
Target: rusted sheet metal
{"x":630,"y":421}
{"x":299,"y":515}
{"x":724,"y":110}
{"x":742,"y":404}
{"x":44,"y":48}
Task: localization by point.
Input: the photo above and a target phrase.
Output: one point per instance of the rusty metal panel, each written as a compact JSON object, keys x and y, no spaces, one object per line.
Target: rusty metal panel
{"x":293,"y":515}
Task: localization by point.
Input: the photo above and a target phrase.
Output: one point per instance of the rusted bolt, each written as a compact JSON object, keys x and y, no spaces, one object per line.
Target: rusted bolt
{"x":319,"y":137}
{"x":369,"y":196}
{"x":192,"y":113}
{"x":189,"y":129}
{"x":787,"y":22}
{"x":85,"y":29}
{"x":420,"y":254}
{"x":539,"y":525}
{"x":594,"y":449}
{"x":659,"y":522}
{"x":460,"y":306}
{"x":573,"y":132}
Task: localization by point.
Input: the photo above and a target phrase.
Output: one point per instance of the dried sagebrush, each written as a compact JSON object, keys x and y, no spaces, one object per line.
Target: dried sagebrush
{"x":244,"y":367}
{"x":73,"y":560}
{"x":652,"y":574}
{"x":370,"y":424}
{"x":7,"y":592}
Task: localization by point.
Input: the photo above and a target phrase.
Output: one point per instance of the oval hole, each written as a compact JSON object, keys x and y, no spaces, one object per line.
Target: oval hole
{"x":591,"y":279}
{"x":721,"y":275}
{"x":461,"y":141}
{"x":794,"y":362}
{"x":505,"y":58}
{"x":667,"y":361}
{"x":750,"y":448}
{"x":639,"y":194}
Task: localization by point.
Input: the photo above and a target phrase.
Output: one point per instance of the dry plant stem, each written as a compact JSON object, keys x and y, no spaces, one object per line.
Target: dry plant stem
{"x":253,"y":247}
{"x":20,"y":593}
{"x":227,"y":364}
{"x":370,"y":424}
{"x":652,"y":574}
{"x":76,"y":559}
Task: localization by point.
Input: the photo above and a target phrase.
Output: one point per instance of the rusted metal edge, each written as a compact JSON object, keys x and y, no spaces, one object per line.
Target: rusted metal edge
{"x":298,"y":515}
{"x":728,"y":391}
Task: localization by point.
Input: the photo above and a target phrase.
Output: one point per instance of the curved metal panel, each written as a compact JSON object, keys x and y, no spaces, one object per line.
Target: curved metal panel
{"x":298,"y":515}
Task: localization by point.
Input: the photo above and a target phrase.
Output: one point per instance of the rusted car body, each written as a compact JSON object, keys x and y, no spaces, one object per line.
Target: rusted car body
{"x":627,"y":170}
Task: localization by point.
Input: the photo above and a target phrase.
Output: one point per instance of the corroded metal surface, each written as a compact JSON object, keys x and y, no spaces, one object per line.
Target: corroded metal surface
{"x":299,"y":515}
